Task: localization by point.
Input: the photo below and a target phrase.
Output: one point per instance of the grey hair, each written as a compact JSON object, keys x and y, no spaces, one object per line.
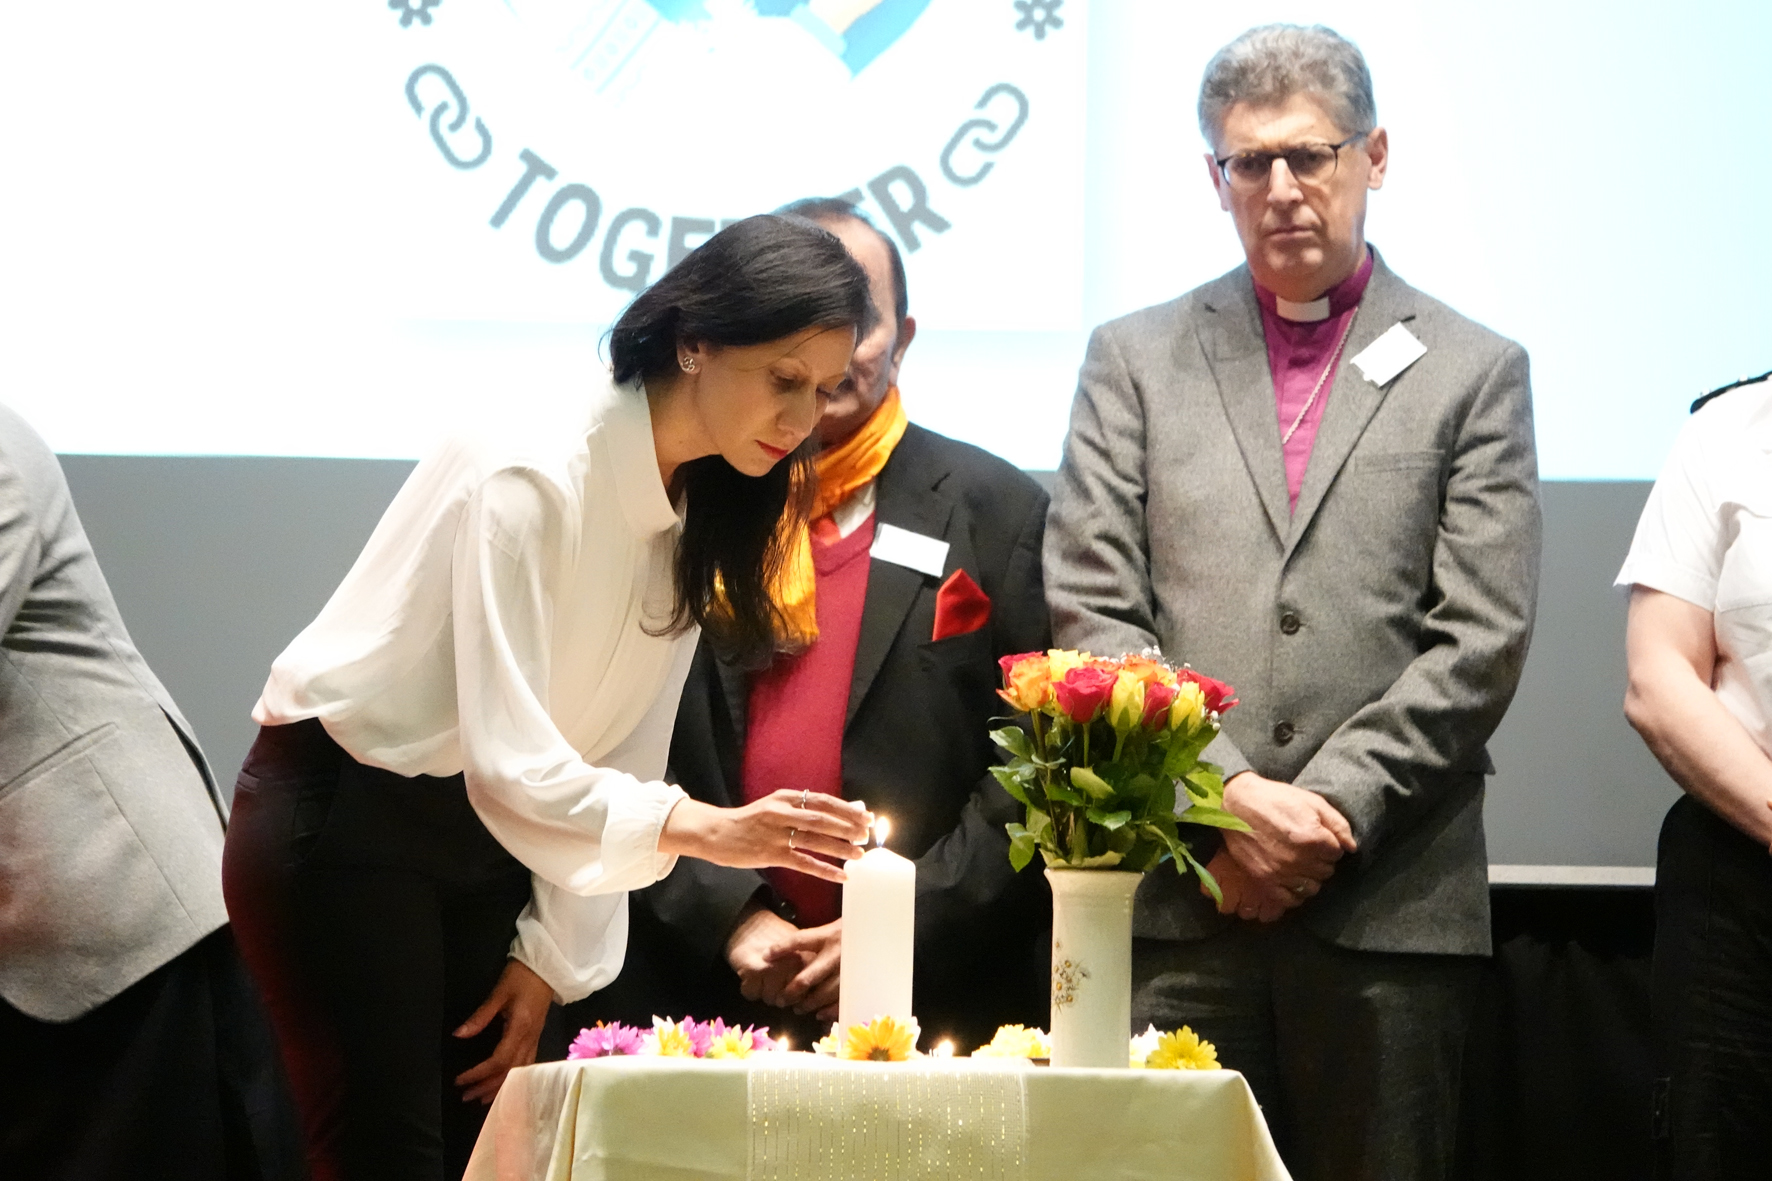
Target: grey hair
{"x":1271,"y":63}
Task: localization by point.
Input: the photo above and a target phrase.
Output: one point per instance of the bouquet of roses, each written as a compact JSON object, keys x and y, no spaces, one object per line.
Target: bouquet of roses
{"x":1108,"y":746}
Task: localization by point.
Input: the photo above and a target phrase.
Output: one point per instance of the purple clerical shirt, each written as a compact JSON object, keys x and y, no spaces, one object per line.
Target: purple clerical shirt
{"x":1300,"y":341}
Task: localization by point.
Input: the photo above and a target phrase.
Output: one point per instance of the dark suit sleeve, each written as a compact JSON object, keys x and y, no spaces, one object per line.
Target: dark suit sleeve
{"x":1381,"y":766}
{"x":1097,"y":552}
{"x":698,"y":903}
{"x":964,"y":880}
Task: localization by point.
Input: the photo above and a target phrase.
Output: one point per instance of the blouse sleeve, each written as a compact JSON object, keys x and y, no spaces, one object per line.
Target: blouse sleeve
{"x":1680,"y":542}
{"x":583,"y":829}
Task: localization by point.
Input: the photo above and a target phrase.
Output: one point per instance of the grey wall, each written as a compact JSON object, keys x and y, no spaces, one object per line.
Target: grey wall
{"x":217,"y":562}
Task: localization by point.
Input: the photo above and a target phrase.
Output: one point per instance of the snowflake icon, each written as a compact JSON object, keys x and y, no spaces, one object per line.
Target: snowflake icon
{"x":1038,"y":16}
{"x":413,"y":10}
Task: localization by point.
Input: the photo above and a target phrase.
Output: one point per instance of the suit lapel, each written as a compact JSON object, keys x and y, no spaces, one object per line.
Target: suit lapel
{"x":1236,"y":350}
{"x":1352,"y":399}
{"x":735,"y":687}
{"x":906,"y":496}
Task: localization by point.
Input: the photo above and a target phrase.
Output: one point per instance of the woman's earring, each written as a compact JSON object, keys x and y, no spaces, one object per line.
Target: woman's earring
{"x":687,"y":364}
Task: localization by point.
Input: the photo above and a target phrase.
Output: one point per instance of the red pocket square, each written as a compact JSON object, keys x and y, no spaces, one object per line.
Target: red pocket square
{"x":960,"y":606}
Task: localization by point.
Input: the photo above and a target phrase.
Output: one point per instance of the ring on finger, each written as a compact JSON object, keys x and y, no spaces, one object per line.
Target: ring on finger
{"x":1301,"y":889}
{"x":805,"y":793}
{"x":791,"y":834}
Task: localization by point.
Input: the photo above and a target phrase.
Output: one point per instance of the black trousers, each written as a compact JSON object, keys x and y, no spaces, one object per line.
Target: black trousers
{"x":1712,"y":999}
{"x":174,"y":1078}
{"x":1354,"y":1056}
{"x":378,"y":912}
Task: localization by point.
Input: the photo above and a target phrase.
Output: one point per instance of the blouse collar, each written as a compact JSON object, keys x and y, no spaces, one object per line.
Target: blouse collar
{"x":627,"y":421}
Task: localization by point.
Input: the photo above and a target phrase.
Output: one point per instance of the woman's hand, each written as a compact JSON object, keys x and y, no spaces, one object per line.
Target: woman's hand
{"x":784,"y":828}
{"x":522,"y":999}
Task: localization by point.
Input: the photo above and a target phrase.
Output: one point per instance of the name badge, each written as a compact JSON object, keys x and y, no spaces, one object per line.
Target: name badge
{"x":901,"y":547}
{"x":1381,"y":361}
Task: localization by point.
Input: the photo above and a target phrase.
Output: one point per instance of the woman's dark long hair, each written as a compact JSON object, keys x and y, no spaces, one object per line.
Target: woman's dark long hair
{"x":755,"y":281}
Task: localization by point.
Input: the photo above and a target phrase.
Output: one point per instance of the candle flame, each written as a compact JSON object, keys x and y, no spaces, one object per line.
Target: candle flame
{"x":882,"y":829}
{"x":943,"y":1049}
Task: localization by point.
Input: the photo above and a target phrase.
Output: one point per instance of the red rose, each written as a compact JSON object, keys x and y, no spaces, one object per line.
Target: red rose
{"x":1084,"y":692}
{"x":1158,"y":697}
{"x":1008,"y":663}
{"x":1219,"y":696}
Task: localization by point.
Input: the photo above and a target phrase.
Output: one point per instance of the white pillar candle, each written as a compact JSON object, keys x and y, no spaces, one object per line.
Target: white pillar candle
{"x":879,"y":935}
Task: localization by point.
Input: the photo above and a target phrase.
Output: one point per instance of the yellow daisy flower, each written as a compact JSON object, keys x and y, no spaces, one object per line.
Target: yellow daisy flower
{"x":733,"y":1043}
{"x":884,"y":1039}
{"x":670,"y":1040}
{"x":1016,"y":1041}
{"x":1142,"y":1045}
{"x":1183,"y":1050}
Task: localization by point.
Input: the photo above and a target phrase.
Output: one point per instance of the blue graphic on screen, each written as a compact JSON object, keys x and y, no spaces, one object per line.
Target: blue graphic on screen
{"x":856,"y":32}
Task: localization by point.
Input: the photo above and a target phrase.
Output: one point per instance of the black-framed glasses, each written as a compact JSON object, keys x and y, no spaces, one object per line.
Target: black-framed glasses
{"x":1309,"y":164}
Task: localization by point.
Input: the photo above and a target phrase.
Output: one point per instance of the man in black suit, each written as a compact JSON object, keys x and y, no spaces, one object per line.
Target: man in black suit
{"x":890,"y":704}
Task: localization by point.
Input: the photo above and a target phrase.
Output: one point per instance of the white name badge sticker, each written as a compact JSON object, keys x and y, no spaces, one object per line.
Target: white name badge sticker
{"x":901,"y":547}
{"x":1381,"y":361}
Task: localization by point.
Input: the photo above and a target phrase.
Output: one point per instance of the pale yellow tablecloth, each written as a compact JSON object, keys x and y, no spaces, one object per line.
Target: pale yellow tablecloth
{"x":789,"y":1117}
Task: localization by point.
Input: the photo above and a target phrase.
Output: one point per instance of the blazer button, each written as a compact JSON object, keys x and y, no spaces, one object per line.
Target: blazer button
{"x":1289,"y":623}
{"x":1283,"y":732}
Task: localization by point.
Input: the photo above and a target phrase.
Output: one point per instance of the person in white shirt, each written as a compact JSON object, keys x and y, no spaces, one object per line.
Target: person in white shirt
{"x":1699,"y":647}
{"x":460,"y":769}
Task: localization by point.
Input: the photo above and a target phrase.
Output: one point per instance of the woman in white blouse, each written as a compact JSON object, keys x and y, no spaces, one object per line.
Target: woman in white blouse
{"x":460,"y":769}
{"x":1700,"y":653}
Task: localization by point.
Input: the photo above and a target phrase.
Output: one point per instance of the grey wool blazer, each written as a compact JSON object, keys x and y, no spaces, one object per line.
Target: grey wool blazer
{"x":1375,"y":634}
{"x":110,"y":823}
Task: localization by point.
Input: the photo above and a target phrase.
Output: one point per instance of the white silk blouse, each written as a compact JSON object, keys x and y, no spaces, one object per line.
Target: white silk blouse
{"x":501,"y":623}
{"x":1706,"y":537}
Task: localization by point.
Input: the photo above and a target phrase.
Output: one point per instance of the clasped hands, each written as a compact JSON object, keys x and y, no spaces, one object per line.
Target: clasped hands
{"x":1296,"y":837}
{"x":786,"y":967}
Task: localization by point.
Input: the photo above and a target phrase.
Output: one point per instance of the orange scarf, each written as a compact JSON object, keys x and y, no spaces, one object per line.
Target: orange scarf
{"x":842,"y":471}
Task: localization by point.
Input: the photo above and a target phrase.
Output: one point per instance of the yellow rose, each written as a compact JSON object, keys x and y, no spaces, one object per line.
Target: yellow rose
{"x":1188,"y":712}
{"x":1125,"y":711}
{"x":1062,"y":660}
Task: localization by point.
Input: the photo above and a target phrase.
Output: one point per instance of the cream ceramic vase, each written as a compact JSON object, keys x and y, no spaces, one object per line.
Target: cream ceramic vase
{"x":1091,"y":966}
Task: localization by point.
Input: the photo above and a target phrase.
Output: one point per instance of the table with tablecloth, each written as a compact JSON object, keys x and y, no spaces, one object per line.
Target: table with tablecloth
{"x":788,"y":1117}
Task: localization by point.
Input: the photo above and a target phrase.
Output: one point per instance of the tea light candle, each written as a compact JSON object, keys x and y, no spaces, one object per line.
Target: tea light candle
{"x":879,"y":934}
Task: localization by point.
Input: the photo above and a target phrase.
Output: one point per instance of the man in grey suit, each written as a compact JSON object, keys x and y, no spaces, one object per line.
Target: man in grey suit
{"x":131,"y":1044}
{"x":1313,"y":481}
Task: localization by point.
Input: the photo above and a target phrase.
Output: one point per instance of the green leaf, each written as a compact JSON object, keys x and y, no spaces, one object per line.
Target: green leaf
{"x":1146,"y":856}
{"x":1184,"y":753}
{"x":1162,"y":801}
{"x":1108,"y":820}
{"x":1011,"y":779}
{"x":1206,"y":879}
{"x":1013,"y":739}
{"x":1092,"y":783}
{"x":1039,"y":823}
{"x":1206,"y":779}
{"x":1212,"y":818}
{"x":1021,"y":847}
{"x":1103,"y":861}
{"x":1057,"y":790}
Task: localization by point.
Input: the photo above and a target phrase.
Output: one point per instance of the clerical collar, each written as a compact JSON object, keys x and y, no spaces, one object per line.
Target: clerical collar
{"x":1309,"y":313}
{"x":1333,"y":302}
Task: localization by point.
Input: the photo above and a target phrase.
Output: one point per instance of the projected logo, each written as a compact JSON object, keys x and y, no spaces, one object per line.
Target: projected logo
{"x":856,"y":31}
{"x":642,"y":126}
